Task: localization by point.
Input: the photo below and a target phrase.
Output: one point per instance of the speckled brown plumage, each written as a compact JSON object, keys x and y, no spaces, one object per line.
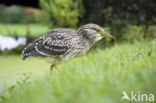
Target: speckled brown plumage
{"x":64,"y":43}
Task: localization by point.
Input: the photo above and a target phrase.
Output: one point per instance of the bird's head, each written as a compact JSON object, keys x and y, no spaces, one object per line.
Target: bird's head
{"x":93,"y":32}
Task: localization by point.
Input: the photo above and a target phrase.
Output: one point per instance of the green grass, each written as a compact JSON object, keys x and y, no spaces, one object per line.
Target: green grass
{"x":98,"y":77}
{"x":12,"y":67}
{"x":21,"y":29}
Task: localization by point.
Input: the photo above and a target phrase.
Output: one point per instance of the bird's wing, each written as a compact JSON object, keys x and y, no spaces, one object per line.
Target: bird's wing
{"x":54,"y":43}
{"x":51,"y":47}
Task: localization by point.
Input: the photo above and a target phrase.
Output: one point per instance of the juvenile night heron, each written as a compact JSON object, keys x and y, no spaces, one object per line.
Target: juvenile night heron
{"x":64,"y":44}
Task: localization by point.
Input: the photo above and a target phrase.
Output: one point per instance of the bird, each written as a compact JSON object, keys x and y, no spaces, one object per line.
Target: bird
{"x":63,"y":44}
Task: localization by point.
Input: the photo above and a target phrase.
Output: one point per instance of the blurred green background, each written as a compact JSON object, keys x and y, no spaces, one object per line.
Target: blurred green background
{"x":100,"y":76}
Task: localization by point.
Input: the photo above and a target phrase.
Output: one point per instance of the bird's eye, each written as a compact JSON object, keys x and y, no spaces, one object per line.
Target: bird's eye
{"x":97,"y":30}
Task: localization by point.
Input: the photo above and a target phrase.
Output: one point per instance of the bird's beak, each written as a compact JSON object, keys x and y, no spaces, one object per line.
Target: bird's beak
{"x":105,"y":35}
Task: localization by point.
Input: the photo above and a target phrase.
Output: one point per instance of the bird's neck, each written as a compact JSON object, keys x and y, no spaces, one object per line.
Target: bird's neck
{"x":87,"y":41}
{"x":91,"y":39}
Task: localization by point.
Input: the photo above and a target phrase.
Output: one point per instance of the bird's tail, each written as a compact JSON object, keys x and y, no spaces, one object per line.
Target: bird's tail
{"x":30,"y":51}
{"x":27,"y":51}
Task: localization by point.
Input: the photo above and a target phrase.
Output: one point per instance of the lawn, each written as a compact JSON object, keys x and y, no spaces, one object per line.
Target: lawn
{"x":13,"y":67}
{"x":22,"y":29}
{"x":100,"y":76}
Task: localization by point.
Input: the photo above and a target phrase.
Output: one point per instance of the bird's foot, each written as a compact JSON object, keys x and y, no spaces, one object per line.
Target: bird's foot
{"x":52,"y":67}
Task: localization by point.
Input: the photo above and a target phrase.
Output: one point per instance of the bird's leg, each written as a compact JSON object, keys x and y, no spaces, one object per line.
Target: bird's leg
{"x":52,"y":66}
